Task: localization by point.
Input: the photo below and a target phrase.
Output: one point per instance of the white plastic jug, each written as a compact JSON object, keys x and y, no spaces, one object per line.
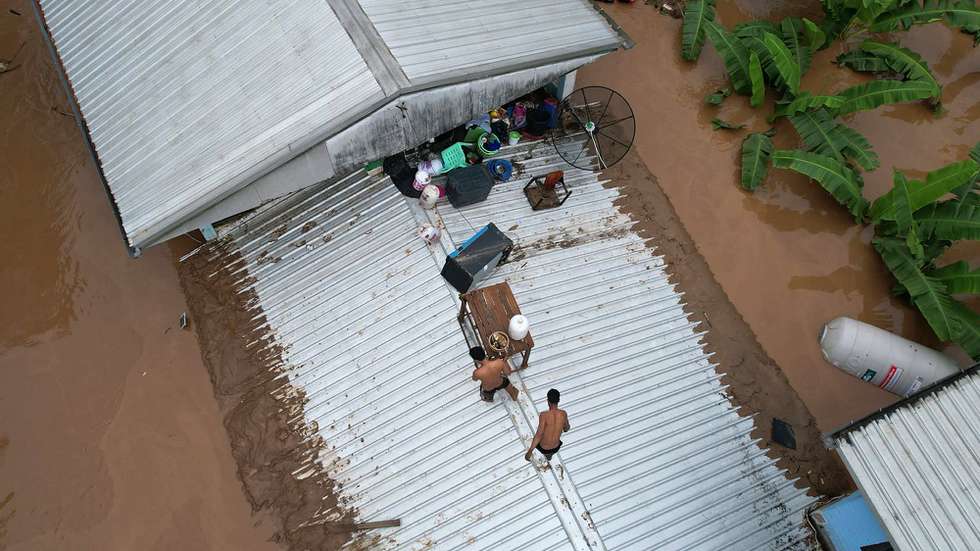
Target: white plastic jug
{"x":429,"y":233}
{"x":430,"y":194}
{"x":518,"y":327}
{"x":422,"y":179}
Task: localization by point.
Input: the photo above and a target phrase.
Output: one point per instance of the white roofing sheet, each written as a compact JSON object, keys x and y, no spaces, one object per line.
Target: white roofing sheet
{"x":918,"y":465}
{"x":657,"y":457}
{"x":187,"y":100}
{"x":432,"y":38}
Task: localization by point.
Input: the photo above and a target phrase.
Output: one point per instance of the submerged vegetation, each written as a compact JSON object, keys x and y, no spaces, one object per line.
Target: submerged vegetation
{"x":915,"y":222}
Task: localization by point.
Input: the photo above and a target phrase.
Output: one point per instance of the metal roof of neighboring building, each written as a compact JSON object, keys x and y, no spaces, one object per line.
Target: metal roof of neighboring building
{"x":918,"y":464}
{"x":657,"y":456}
{"x":186,"y":103}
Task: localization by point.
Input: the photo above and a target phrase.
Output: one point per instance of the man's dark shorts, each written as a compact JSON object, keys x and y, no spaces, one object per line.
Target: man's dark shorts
{"x":487,"y":395}
{"x":548,"y":453}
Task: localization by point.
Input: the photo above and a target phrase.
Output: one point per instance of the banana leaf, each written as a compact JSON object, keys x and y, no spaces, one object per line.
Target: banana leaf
{"x":876,"y":93}
{"x":734,"y":54}
{"x":958,"y":278}
{"x":792,"y":30}
{"x":928,"y":295}
{"x":758,"y":84}
{"x":718,"y":96}
{"x":756,"y":150}
{"x":806,"y":102}
{"x":869,"y":10}
{"x":720,"y":124}
{"x":938,"y":183}
{"x":904,"y":61}
{"x":863,"y":62}
{"x":857,"y":148}
{"x":951,"y":220}
{"x":777,"y":61}
{"x":696,"y":15}
{"x":833,"y":175}
{"x":903,"y":205}
{"x":968,"y":334}
{"x":959,"y":13}
{"x":814,"y":34}
{"x":838,"y":19}
{"x":749,"y":28}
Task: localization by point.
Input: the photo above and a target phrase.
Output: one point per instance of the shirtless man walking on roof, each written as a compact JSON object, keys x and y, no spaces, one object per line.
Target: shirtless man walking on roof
{"x":551,"y":424}
{"x":492,"y":375}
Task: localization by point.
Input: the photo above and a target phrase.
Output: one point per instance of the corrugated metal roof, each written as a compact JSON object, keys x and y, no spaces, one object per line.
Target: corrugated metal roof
{"x":187,"y":102}
{"x":918,"y":464}
{"x":473,"y":35}
{"x":657,"y":456}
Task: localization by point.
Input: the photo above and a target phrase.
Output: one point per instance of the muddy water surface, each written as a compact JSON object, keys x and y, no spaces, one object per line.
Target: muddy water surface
{"x":110,"y":437}
{"x":788,"y":256}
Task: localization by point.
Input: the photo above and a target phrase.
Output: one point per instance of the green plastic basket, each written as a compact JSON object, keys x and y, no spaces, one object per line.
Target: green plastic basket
{"x":453,"y":157}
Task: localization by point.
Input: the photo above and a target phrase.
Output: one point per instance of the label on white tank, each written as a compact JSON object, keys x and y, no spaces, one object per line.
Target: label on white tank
{"x":916,"y":385}
{"x":892,"y":377}
{"x":868,"y":375}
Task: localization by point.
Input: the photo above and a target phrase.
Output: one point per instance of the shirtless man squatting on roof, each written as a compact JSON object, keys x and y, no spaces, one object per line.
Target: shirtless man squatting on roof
{"x":492,"y":375}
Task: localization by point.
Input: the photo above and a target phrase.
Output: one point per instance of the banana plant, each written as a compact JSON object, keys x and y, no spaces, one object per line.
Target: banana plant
{"x":937,"y":184}
{"x":928,"y":294}
{"x":876,"y":93}
{"x":958,"y":278}
{"x":835,"y":176}
{"x":905,"y":61}
{"x":756,"y":150}
{"x":822,"y":134}
{"x":697,"y":15}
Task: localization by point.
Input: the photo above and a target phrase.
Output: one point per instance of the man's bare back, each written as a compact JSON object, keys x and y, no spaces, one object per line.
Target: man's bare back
{"x":551,"y":424}
{"x":492,"y":375}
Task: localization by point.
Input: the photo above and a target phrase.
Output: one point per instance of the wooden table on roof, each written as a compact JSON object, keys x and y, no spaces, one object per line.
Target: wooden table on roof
{"x":488,"y":310}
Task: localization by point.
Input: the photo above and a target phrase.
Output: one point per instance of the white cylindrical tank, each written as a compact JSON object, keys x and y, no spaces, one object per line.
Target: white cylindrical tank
{"x":518,"y":327}
{"x":884,"y":359}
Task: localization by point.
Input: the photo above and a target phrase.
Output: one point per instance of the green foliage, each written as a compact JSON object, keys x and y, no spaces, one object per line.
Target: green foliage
{"x":904,"y":221}
{"x":806,"y":102}
{"x":758,"y":83}
{"x":929,"y":295}
{"x":862,"y":61}
{"x":792,"y":33}
{"x":958,"y":13}
{"x":750,"y":28}
{"x":968,"y":334}
{"x":833,"y":175}
{"x":938,"y":183}
{"x":823,"y":135}
{"x":904,"y":61}
{"x":719,"y":124}
{"x":734,"y":54}
{"x":874,"y":94}
{"x":756,"y":150}
{"x":697,"y":14}
{"x":777,"y":61}
{"x":958,"y":278}
{"x":952,"y":220}
{"x":718,"y":96}
{"x":814,"y":34}
{"x":857,"y":148}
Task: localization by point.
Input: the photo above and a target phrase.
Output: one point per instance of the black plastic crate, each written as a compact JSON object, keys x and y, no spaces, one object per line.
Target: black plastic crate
{"x":468,"y":185}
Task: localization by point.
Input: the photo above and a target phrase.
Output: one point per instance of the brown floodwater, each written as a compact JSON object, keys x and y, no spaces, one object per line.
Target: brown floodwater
{"x":110,"y":437}
{"x":788,"y":256}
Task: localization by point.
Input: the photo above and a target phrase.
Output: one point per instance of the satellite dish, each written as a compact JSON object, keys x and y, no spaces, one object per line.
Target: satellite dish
{"x":595,"y":128}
